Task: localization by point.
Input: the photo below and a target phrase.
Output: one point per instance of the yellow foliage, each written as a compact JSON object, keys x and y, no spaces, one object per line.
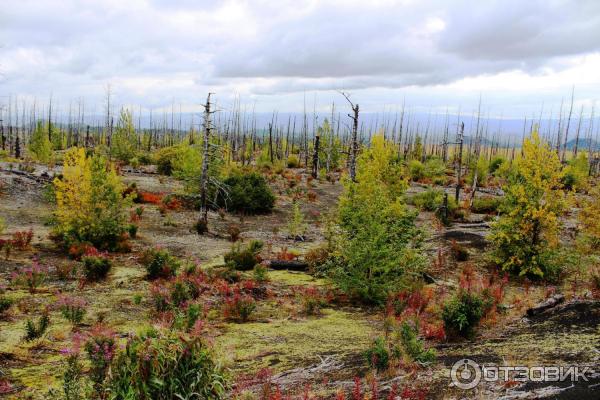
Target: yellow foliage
{"x":89,"y":203}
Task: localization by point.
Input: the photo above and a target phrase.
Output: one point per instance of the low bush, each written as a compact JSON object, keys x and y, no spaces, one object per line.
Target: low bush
{"x":413,"y":346}
{"x":155,"y":367}
{"x":429,"y":200}
{"x":31,"y":277}
{"x":239,"y":306}
{"x":260,"y":273}
{"x":73,"y":309}
{"x":293,"y":161}
{"x":311,"y":299}
{"x":35,"y":330}
{"x":416,"y":169}
{"x":462,"y":313}
{"x":458,"y":251}
{"x":486,"y":205}
{"x":378,"y":355}
{"x":101,"y":347}
{"x":5,"y":304}
{"x":247,"y":193}
{"x":165,"y":159}
{"x":244,"y":259}
{"x":316,"y":257}
{"x":434,"y":170}
{"x":96,"y":268}
{"x":159,"y":263}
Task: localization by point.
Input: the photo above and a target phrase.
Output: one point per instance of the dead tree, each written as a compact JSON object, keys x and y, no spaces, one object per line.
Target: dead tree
{"x":315,"y":160}
{"x":460,"y":140}
{"x":202,"y":225}
{"x":354,"y":143}
{"x":564,"y":149}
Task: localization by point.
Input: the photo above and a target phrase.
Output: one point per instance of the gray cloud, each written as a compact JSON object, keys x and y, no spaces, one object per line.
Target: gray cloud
{"x":155,"y":50}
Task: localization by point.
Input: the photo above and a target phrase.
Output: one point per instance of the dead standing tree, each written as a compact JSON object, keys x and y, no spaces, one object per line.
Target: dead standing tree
{"x":354,"y":144}
{"x":202,"y":225}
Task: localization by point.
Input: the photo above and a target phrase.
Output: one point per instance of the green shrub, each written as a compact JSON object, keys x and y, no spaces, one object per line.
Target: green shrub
{"x":575,"y":175}
{"x":165,"y":159}
{"x":260,"y":273}
{"x":162,"y":368}
{"x":416,"y":170}
{"x":244,"y":259}
{"x":377,"y":245}
{"x":247,"y":193}
{"x":95,"y":268}
{"x":429,"y":200}
{"x":462,"y":313}
{"x":496,"y":164}
{"x":293,"y":161}
{"x":413,"y":346}
{"x":486,"y":205}
{"x":159,"y":263}
{"x":5,"y":304}
{"x":435,"y":170}
{"x":36,"y":330}
{"x":378,"y":355}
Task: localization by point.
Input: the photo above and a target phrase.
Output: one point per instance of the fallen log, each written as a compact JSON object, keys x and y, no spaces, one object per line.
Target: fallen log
{"x":551,"y":302}
{"x":291,"y":265}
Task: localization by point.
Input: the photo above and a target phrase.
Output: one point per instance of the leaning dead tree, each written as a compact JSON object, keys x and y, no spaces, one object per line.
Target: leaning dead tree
{"x":354,"y":143}
{"x":202,"y":225}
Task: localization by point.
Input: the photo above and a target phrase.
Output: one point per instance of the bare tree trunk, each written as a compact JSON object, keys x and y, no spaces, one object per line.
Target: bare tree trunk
{"x":354,"y":143}
{"x":459,"y":169}
{"x":315,"y":160}
{"x":202,"y":225}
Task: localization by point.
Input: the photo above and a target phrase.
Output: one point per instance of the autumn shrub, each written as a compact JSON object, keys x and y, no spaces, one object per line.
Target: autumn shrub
{"x":244,"y":259}
{"x":239,"y":306}
{"x":160,"y":367}
{"x":21,"y":240}
{"x":234,"y":232}
{"x":316,"y":257}
{"x":247,"y":193}
{"x":377,"y":246}
{"x":73,"y":309}
{"x":525,"y":238}
{"x":159,"y":263}
{"x":90,"y":206}
{"x":311,"y":299}
{"x":96,"y":268}
{"x":30,"y":277}
{"x":462,"y":313}
{"x":458,"y":251}
{"x":101,"y":347}
{"x":35,"y":330}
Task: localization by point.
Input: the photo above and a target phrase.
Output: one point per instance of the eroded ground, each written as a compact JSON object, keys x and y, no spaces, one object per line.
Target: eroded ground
{"x":324,"y":351}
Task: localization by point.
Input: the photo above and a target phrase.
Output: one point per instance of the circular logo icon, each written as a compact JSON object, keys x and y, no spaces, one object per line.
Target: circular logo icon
{"x":465,"y":374}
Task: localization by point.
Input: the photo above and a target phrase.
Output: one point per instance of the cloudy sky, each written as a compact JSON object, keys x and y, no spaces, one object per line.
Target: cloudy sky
{"x":272,"y":53}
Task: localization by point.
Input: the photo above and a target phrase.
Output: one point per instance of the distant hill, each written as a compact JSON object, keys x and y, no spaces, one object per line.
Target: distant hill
{"x":583,"y":144}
